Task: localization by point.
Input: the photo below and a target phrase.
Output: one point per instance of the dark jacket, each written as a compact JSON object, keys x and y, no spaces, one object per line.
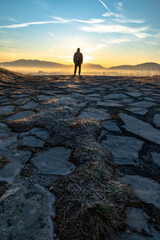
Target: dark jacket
{"x":78,"y":58}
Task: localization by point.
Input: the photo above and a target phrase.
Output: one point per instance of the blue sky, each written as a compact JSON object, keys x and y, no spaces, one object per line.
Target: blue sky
{"x":108,"y":32}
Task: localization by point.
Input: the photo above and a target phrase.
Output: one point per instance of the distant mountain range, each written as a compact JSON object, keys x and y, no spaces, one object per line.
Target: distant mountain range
{"x":33,"y":63}
{"x":140,"y":67}
{"x":45,"y":64}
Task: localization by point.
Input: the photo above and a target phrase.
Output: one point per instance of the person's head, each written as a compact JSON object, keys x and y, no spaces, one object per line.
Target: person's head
{"x":78,"y":50}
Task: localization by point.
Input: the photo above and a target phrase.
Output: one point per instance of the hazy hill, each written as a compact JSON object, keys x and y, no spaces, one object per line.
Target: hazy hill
{"x":140,"y":67}
{"x":93,"y":66}
{"x":33,"y":63}
{"x":45,"y":64}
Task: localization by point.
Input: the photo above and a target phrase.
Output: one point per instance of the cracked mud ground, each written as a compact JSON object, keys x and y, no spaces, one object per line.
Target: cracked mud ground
{"x":79,"y":158}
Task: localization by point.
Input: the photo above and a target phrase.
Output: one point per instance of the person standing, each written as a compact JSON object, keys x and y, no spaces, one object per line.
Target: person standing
{"x":78,"y":60}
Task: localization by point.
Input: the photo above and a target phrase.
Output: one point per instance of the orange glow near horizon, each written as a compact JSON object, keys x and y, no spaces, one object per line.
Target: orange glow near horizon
{"x":105,"y":61}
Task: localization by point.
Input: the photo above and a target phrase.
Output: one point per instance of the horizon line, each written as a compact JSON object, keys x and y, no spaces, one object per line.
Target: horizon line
{"x":73,"y":63}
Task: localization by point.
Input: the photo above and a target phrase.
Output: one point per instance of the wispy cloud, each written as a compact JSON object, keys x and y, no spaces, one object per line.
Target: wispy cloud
{"x":126,"y":20}
{"x":106,"y":43}
{"x":43,"y":4}
{"x":111,"y":14}
{"x":62,"y":20}
{"x":112,"y":28}
{"x":91,"y":49}
{"x":142,"y":35}
{"x":119,"y":6}
{"x":51,"y":34}
{"x":57,"y":20}
{"x":12,"y":19}
{"x":90,"y":21}
{"x":117,"y":41}
{"x":22,"y":25}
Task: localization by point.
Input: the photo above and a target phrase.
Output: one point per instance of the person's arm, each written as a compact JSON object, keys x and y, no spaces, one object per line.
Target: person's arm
{"x":82,"y":58}
{"x":74,"y":58}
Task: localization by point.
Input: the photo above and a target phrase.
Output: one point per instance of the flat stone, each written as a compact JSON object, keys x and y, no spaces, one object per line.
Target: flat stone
{"x":86,"y":91}
{"x":145,"y":104}
{"x":39,"y":132}
{"x":149,"y":99}
{"x":96,"y":114}
{"x":6,"y":109}
{"x":44,"y":97}
{"x":124,"y":149}
{"x":137,"y":110}
{"x":134,"y":94}
{"x":82,"y":104}
{"x":54,"y":161}
{"x":20,"y":115}
{"x":127,"y":100}
{"x":109,"y":104}
{"x":18,"y":100}
{"x":156,"y":158}
{"x":140,"y":128}
{"x":137,"y":219}
{"x":16,"y":161}
{"x":19,"y":95}
{"x":134,"y":236}
{"x":93,"y":95}
{"x":111,"y":126}
{"x":7,"y":137}
{"x":94,"y":99}
{"x":115,"y":96}
{"x":76,"y":95}
{"x":146,"y":189}
{"x":31,"y":141}
{"x":3,"y":99}
{"x":30,"y":105}
{"x":156,"y":120}
{"x":27,"y":214}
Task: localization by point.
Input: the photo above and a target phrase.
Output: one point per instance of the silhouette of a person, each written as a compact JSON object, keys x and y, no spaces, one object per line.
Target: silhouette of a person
{"x":78,"y":60}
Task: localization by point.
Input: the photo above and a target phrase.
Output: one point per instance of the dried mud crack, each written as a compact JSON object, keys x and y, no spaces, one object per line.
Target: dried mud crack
{"x":75,"y":157}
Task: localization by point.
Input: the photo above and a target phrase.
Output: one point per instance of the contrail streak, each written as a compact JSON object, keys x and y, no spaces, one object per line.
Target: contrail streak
{"x":147,"y":44}
{"x":105,"y":6}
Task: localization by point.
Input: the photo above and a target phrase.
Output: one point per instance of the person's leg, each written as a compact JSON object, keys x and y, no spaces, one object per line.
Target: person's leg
{"x":75,"y":69}
{"x":80,"y":69}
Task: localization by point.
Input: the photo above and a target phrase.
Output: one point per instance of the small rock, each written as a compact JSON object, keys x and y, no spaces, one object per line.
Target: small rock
{"x":54,"y":161}
{"x":31,"y":141}
{"x":145,"y":189}
{"x":156,"y":120}
{"x":119,"y":146}
{"x":156,"y":158}
{"x":137,"y":219}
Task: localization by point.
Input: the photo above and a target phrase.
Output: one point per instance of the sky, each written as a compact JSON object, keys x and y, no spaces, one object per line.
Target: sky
{"x":109,"y":32}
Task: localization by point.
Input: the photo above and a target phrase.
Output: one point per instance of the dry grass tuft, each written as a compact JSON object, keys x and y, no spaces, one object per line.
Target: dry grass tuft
{"x":91,"y":204}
